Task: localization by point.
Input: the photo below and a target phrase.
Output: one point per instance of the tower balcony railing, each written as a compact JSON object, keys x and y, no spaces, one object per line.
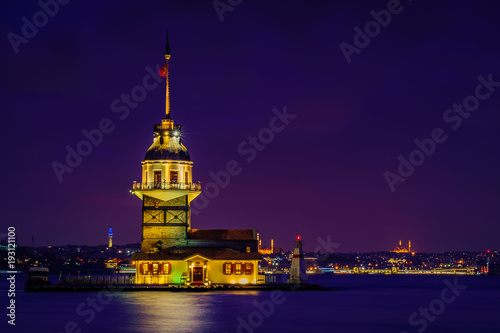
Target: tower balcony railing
{"x":164,"y":185}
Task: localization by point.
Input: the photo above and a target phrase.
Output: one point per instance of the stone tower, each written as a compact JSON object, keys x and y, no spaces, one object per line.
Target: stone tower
{"x":167,"y":186}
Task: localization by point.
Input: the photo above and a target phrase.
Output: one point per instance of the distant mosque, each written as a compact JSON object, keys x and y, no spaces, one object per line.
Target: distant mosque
{"x":264,"y":250}
{"x":171,"y":251}
{"x":402,"y":249}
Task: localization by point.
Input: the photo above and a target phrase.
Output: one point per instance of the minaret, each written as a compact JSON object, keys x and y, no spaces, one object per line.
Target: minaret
{"x":272,"y":246}
{"x":167,"y":187}
{"x":297,"y":270}
{"x":409,"y":245}
{"x":110,"y":235}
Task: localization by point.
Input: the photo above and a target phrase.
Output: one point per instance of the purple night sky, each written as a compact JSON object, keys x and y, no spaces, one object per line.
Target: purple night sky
{"x":321,"y":176}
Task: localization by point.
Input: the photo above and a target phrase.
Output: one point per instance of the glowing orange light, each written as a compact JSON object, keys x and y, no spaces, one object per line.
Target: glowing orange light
{"x":298,"y":238}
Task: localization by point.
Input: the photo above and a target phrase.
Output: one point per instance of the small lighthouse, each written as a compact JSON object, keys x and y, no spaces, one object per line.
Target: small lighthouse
{"x":298,"y":269}
{"x":110,"y":235}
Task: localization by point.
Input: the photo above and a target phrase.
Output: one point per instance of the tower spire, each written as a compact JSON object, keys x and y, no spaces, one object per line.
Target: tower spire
{"x":167,"y":47}
{"x":167,"y":92}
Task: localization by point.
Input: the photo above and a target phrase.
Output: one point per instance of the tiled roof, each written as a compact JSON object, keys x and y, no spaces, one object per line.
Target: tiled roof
{"x":222,"y":234}
{"x":182,"y":253}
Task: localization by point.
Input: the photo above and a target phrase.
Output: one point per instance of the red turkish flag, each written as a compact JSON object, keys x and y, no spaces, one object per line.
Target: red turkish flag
{"x":163,"y":71}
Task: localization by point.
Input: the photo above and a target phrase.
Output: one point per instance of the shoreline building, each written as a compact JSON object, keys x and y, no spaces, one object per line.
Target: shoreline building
{"x":171,"y":251}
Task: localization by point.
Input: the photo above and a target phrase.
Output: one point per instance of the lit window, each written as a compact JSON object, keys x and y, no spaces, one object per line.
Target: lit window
{"x":155,"y":269}
{"x":227,"y":268}
{"x":166,"y":269}
{"x":145,"y":269}
{"x":248,"y":268}
{"x":237,"y":268}
{"x":173,"y":176}
{"x":157,"y":179}
{"x":248,"y":249}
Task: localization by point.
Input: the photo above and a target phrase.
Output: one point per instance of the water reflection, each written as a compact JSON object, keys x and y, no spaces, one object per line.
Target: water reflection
{"x":177,"y":311}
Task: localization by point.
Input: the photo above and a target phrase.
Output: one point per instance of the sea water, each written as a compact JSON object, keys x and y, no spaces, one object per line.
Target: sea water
{"x":358,"y":303}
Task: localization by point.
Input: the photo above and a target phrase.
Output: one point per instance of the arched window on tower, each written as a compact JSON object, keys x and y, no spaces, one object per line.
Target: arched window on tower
{"x":173,"y":177}
{"x":157,"y":179}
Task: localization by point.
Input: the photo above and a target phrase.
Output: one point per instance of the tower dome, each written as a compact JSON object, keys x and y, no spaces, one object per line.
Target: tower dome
{"x":167,"y":144}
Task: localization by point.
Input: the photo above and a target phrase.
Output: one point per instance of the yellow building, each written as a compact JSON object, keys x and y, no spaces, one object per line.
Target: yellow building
{"x":197,"y":266}
{"x":171,"y":251}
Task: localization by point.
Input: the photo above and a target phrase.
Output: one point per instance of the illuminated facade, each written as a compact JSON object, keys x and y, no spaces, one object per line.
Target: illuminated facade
{"x":264,"y":250}
{"x":402,"y":249}
{"x":171,"y":251}
{"x":110,"y":238}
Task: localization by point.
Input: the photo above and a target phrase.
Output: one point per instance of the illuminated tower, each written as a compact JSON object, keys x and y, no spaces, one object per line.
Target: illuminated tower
{"x":167,"y":187}
{"x":297,"y":270}
{"x":110,"y":235}
{"x":409,"y":245}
